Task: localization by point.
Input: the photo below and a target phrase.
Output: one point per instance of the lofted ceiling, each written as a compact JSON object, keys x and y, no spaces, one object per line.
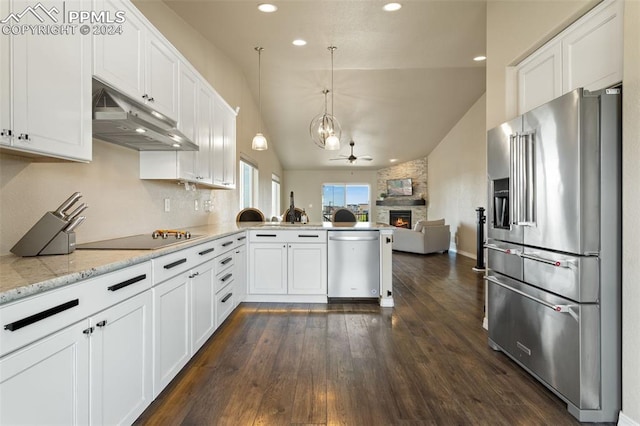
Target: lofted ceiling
{"x":402,"y":79}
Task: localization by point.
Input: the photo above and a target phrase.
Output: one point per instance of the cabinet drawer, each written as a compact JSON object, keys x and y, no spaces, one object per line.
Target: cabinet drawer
{"x":227,"y":243}
{"x":224,"y":304}
{"x":173,"y":264}
{"x":29,"y":320}
{"x":110,"y":289}
{"x":206,"y":251}
{"x":225,"y":262}
{"x":224,"y":279}
{"x":288,"y":236}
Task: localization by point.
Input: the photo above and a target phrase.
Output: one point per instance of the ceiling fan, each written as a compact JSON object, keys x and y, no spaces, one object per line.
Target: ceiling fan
{"x":352,"y":158}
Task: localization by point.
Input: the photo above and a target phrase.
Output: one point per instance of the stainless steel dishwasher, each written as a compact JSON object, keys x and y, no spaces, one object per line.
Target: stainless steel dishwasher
{"x":354,"y":264}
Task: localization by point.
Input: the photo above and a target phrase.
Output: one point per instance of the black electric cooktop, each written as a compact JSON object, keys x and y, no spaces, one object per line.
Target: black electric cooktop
{"x":135,"y":242}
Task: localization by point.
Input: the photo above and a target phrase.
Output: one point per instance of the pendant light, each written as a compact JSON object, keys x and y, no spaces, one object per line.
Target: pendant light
{"x":325,"y":129}
{"x":259,"y":142}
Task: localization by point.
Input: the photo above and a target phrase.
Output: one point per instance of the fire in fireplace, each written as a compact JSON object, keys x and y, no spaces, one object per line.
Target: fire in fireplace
{"x":400,"y":218}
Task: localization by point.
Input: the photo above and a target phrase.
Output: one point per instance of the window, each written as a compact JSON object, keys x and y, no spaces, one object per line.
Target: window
{"x":354,"y":197}
{"x":275,"y":195}
{"x":248,"y":185}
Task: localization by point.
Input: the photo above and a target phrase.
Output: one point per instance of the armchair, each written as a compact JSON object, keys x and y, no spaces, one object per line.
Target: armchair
{"x":425,"y":237}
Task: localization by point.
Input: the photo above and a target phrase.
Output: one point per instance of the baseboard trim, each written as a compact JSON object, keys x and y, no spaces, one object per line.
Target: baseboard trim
{"x":463,"y":253}
{"x":624,"y":420}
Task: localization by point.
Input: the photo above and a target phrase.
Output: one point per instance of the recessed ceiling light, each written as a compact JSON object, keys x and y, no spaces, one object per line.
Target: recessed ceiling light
{"x":267,"y":7}
{"x":393,"y":160}
{"x":480,"y":58}
{"x":140,"y":130}
{"x":299,"y":42}
{"x":391,"y":7}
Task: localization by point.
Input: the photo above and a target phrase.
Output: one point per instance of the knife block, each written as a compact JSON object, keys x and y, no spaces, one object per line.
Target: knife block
{"x":63,"y":243}
{"x":48,"y":228}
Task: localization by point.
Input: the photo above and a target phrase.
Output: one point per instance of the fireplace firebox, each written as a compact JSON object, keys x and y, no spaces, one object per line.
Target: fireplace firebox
{"x":400,"y":218}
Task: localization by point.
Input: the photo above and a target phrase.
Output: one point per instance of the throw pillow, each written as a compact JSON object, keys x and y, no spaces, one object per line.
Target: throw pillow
{"x":439,"y":222}
{"x":419,"y":225}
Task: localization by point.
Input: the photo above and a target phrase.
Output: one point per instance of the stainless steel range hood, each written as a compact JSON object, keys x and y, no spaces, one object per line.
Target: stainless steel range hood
{"x":119,"y":119}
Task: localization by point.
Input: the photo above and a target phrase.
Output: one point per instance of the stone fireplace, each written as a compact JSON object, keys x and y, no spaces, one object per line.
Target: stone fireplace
{"x":400,"y":218}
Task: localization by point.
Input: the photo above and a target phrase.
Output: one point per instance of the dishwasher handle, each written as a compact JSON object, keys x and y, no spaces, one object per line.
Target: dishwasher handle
{"x":353,"y":238}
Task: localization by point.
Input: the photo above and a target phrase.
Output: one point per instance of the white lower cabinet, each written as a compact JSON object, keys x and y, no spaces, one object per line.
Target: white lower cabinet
{"x":295,"y":263}
{"x":241,"y":271}
{"x":171,"y":345}
{"x":268,"y":268}
{"x":47,"y":382}
{"x":307,"y":268}
{"x":203,"y":314}
{"x":121,"y":382}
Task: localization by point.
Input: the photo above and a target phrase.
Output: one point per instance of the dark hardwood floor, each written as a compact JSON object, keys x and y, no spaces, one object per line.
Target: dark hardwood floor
{"x":426,"y":361}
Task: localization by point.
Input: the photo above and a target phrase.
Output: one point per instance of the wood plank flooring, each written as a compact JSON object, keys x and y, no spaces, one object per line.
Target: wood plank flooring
{"x":424,"y":362}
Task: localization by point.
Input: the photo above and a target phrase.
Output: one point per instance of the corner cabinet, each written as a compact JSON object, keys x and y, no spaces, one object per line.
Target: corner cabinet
{"x":45,"y":89}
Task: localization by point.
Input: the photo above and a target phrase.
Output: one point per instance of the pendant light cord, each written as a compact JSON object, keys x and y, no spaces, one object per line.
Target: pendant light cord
{"x":260,"y":49}
{"x":332,"y":48}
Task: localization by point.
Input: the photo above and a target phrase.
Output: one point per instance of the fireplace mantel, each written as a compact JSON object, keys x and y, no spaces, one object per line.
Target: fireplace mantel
{"x":401,"y":202}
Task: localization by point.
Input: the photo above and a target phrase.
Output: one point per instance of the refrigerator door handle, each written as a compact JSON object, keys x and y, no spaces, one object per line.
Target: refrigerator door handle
{"x":502,"y":250}
{"x":529,"y":177}
{"x":514,"y":198}
{"x":568,"y":309}
{"x":557,"y":263}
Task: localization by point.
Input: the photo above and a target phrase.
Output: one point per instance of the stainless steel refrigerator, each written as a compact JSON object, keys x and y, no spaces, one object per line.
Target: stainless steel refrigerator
{"x":554,"y":248}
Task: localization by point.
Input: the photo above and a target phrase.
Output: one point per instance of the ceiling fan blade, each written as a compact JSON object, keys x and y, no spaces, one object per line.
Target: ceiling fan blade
{"x":333,"y":159}
{"x":365,"y":158}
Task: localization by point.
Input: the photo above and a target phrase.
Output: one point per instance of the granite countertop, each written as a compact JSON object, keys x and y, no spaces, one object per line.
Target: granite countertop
{"x":21,"y":277}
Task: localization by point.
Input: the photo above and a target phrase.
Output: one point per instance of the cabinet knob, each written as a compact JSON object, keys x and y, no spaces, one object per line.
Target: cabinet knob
{"x":101,"y":323}
{"x":151,"y":100}
{"x":23,"y":137}
{"x":145,"y":96}
{"x":6,"y":132}
{"x":88,"y":331}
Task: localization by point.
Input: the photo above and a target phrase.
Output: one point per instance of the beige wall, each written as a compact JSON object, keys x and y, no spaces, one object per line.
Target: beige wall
{"x":458,"y":178}
{"x":120,"y":203}
{"x":307,"y":188}
{"x":631,"y":207}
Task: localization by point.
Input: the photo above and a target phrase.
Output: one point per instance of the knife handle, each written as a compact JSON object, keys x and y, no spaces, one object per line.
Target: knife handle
{"x":68,"y":203}
{"x":75,"y":223}
{"x":73,"y":215}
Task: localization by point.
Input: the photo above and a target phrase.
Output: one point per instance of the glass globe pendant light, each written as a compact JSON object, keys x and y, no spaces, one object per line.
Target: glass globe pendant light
{"x":325,"y":130}
{"x":259,"y":142}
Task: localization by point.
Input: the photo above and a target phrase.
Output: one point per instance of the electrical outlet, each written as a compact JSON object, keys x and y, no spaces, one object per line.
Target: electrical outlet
{"x":167,"y":205}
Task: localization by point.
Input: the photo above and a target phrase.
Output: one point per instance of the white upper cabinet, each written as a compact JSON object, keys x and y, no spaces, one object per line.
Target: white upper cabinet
{"x":539,"y":78}
{"x":592,"y":51}
{"x":587,"y":54}
{"x":224,"y":145}
{"x":161,"y":82}
{"x":46,"y":87}
{"x":205,"y":121}
{"x":5,"y":84}
{"x":119,"y":60}
{"x":138,"y":62}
